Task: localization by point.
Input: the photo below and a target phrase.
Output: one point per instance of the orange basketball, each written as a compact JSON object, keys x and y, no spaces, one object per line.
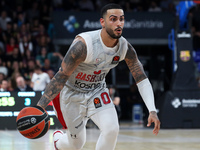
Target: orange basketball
{"x":33,"y":122}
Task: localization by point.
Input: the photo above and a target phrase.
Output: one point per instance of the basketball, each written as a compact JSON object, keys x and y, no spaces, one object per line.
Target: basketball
{"x":33,"y":122}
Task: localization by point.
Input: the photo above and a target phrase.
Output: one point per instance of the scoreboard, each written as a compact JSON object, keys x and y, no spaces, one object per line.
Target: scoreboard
{"x":11,"y":103}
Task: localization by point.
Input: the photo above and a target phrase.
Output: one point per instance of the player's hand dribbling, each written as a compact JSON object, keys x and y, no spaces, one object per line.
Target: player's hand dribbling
{"x":154,"y":118}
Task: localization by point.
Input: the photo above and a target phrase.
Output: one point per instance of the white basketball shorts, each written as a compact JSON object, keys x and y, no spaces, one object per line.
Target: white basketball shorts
{"x":73,"y":108}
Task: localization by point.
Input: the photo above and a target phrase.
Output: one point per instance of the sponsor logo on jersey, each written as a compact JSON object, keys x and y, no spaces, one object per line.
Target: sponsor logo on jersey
{"x":79,"y":84}
{"x":98,"y":60}
{"x":97,"y":102}
{"x":96,"y":77}
{"x":91,"y":78}
{"x":115,"y":60}
{"x":97,"y":72}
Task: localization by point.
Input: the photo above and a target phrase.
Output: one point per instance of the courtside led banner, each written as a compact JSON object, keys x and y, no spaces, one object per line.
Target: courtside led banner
{"x":11,"y":103}
{"x":143,"y":25}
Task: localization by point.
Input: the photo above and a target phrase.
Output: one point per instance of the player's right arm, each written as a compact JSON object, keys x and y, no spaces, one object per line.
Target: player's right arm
{"x":75,"y":55}
{"x":144,"y":86}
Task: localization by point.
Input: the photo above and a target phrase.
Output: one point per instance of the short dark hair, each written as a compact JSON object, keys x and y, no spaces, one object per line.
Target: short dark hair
{"x":109,"y":6}
{"x":37,"y":67}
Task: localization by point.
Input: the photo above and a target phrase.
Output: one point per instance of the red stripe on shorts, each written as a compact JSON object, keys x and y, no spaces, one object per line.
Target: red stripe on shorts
{"x":56,"y":104}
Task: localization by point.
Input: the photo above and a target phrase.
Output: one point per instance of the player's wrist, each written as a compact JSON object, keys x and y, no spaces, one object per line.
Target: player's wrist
{"x":38,"y":105}
{"x":153,"y":112}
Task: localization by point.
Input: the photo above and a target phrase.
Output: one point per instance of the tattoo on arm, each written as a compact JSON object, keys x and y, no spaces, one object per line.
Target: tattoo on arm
{"x":134,"y":64}
{"x":75,"y":55}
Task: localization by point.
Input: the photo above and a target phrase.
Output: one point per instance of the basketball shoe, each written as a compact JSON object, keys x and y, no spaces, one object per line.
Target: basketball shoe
{"x":56,"y":136}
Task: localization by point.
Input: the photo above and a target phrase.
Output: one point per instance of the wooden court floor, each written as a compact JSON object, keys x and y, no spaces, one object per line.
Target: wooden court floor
{"x":131,"y":137}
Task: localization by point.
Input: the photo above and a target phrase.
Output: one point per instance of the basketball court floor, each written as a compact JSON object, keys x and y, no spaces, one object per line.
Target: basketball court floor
{"x":131,"y":137}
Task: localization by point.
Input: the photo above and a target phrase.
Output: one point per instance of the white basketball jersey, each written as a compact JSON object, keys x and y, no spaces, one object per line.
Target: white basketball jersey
{"x":91,"y":73}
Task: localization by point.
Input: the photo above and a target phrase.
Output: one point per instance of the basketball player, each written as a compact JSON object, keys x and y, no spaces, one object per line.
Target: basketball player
{"x":81,"y":84}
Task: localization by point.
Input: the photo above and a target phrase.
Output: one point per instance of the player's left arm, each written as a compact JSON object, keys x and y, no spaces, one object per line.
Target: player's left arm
{"x":144,"y":86}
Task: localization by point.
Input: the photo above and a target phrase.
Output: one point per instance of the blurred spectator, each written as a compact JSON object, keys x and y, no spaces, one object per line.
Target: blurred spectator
{"x":46,"y":2}
{"x":3,"y":58}
{"x":10,"y":88}
{"x":10,"y":46}
{"x":7,"y":34}
{"x":132,"y":5}
{"x":154,"y":7}
{"x":24,"y":31}
{"x":71,"y":5}
{"x":33,"y":12}
{"x":99,"y":4}
{"x":43,"y":41}
{"x":4,"y":19}
{"x":21,"y":19}
{"x":134,"y":95}
{"x":51,"y":73}
{"x":28,"y":69}
{"x":25,"y":45}
{"x":25,"y":64}
{"x":4,"y":85}
{"x":47,"y":65}
{"x":15,"y":68}
{"x":167,"y":6}
{"x":41,"y":58}
{"x":139,"y":8}
{"x":116,"y":100}
{"x":19,"y":9}
{"x":53,"y":58}
{"x":132,"y":98}
{"x":45,"y":16}
{"x":2,"y":47}
{"x":13,"y":78}
{"x":164,"y":4}
{"x":15,"y":31}
{"x":35,"y":27}
{"x":51,"y":30}
{"x":15,"y":56}
{"x":128,"y":7}
{"x":27,"y":56}
{"x":39,"y":79}
{"x":195,"y":14}
{"x":171,"y":8}
{"x":86,"y":5}
{"x":2,"y":77}
{"x":41,"y":32}
{"x":3,"y":69}
{"x":31,"y":65}
{"x":21,"y":85}
{"x":57,"y":4}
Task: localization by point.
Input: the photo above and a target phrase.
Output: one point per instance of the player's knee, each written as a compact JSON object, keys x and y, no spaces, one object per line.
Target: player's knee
{"x":115,"y":129}
{"x":78,"y":146}
{"x":112,"y":131}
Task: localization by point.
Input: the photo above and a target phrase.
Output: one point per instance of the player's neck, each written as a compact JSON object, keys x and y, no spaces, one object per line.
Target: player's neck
{"x":107,"y":40}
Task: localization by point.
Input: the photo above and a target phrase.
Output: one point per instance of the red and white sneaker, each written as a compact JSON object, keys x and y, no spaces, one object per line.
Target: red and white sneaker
{"x":56,"y":136}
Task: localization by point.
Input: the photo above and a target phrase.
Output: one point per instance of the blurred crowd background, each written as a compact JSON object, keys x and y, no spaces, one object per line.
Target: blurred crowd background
{"x":26,"y":33}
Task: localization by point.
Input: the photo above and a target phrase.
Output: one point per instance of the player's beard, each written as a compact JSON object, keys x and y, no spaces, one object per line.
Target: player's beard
{"x":112,"y":34}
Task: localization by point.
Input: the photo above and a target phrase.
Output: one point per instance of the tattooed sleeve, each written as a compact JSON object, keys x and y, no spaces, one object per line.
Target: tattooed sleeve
{"x":75,"y":55}
{"x":134,"y":64}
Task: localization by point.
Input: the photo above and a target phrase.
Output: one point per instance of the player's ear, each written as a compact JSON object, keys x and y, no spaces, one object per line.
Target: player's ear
{"x":102,"y":21}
